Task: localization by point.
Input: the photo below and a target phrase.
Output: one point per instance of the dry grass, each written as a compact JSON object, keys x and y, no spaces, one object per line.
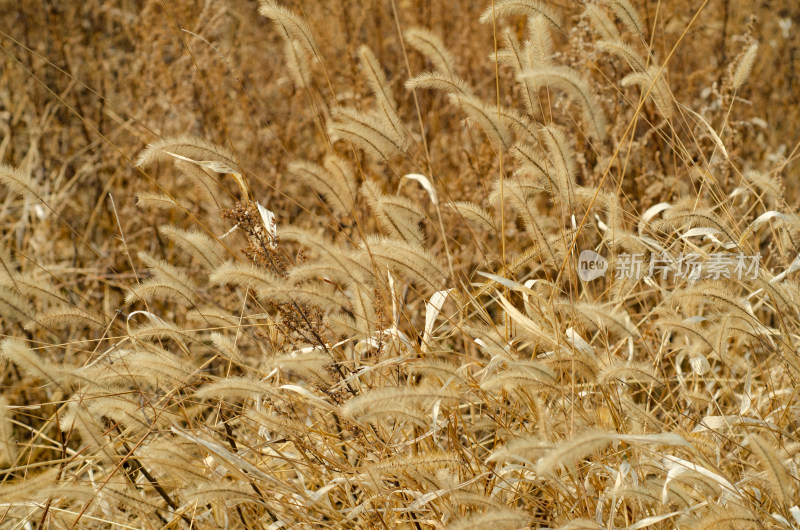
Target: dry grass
{"x":318,"y":267}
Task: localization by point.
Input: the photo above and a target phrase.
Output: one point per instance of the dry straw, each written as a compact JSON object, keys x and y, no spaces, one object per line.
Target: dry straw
{"x":268,"y":336}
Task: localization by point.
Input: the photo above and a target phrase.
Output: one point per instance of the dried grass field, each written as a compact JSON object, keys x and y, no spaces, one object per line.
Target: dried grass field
{"x":399,"y":264}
